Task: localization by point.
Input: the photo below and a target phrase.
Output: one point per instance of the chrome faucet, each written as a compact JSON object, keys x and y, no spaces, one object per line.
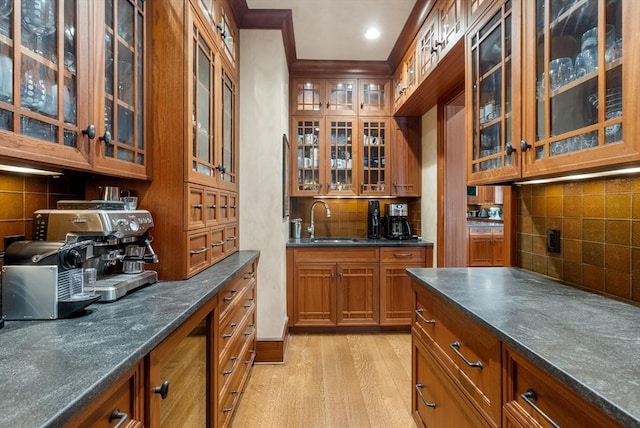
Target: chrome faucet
{"x":311,"y":228}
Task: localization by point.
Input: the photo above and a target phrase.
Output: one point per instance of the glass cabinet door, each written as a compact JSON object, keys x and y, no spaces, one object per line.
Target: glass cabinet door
{"x":310,"y":159}
{"x":428,"y":44}
{"x":203,"y":156}
{"x":374,"y":143}
{"x":228,"y":173}
{"x":341,"y":140}
{"x":308,"y":96}
{"x":341,"y":96}
{"x":124,"y":40}
{"x":493,"y":151}
{"x":578,"y":79}
{"x":374,"y":97}
{"x":38,"y":72}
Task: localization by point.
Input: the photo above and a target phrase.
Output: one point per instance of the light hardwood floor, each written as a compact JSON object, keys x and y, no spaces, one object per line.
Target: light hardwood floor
{"x":332,"y":380}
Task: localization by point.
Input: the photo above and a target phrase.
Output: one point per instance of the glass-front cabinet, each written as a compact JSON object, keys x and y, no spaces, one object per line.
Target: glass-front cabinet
{"x":566,"y":103}
{"x":341,"y":155}
{"x":71,"y":72}
{"x":228,"y":156}
{"x":309,"y":175}
{"x":375,"y":140}
{"x":577,"y":96}
{"x":492,"y":73}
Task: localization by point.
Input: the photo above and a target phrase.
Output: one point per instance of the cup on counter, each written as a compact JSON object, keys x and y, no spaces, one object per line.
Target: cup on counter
{"x":130,"y":202}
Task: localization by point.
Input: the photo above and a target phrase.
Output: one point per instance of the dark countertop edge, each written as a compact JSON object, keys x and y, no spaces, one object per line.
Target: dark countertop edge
{"x":607,"y":406}
{"x":362,"y":242}
{"x":94,"y":391}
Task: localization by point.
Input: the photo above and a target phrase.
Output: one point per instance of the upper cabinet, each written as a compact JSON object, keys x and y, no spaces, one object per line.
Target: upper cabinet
{"x":72,"y":86}
{"x":374,"y":97}
{"x":444,"y":26}
{"x":576,"y":110}
{"x":319,"y":96}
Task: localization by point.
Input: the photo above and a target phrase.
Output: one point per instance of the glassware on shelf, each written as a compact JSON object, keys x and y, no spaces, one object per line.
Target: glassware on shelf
{"x":69,"y":48}
{"x":6,"y":7}
{"x":33,"y":94}
{"x":6,"y":78}
{"x":560,"y":72}
{"x":39,"y":18}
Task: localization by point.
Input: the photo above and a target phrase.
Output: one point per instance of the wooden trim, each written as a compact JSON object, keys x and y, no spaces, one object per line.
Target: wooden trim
{"x":272,"y":351}
{"x":333,"y":67}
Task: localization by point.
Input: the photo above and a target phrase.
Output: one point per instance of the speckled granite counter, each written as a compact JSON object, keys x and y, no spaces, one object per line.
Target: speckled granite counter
{"x":49,"y":370}
{"x":589,"y":342}
{"x":359,"y":242}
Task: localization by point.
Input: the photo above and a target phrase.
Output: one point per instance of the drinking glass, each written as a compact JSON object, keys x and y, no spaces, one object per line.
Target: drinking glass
{"x":39,"y":18}
{"x":560,"y":72}
{"x":90,"y":278}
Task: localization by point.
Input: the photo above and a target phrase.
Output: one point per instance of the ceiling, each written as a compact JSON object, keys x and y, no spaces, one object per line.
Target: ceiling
{"x":334,"y":29}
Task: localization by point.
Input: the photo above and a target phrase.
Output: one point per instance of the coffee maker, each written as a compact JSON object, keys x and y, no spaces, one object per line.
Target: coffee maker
{"x":120,"y":240}
{"x":373,"y":220}
{"x":396,"y":224}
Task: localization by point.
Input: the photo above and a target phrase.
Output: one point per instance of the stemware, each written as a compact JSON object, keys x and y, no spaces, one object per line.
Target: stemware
{"x":39,"y":18}
{"x":6,"y":7}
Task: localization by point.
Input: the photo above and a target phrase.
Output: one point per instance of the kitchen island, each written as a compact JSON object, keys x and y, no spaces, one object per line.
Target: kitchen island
{"x":587,"y":342}
{"x":50,"y":370}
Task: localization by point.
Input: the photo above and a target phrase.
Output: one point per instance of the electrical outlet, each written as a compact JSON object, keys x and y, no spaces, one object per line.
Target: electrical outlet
{"x":553,"y":240}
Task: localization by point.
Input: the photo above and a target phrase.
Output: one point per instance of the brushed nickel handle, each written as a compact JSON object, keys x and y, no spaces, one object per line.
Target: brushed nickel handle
{"x":249,"y":275}
{"x":227,"y":372}
{"x":197,"y":206}
{"x":419,"y":387}
{"x":218,"y":244}
{"x":529,"y":397}
{"x":401,"y":254}
{"x":419,"y":314}
{"x":117,"y":414}
{"x":200,"y":251}
{"x":456,"y":348}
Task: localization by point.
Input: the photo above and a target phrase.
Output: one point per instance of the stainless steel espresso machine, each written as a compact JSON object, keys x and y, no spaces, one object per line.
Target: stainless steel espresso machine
{"x":120,"y":239}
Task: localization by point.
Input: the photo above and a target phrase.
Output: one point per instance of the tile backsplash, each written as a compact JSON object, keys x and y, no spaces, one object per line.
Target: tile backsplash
{"x":21,"y":195}
{"x":599,"y":223}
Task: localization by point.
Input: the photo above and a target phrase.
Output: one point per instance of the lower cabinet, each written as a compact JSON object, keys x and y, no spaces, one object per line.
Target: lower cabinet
{"x":351,"y":286}
{"x":464,"y":376}
{"x":486,"y":246}
{"x":194,"y":378}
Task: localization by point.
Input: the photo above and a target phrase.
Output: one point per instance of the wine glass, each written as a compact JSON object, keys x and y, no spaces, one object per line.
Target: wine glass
{"x":39,"y":18}
{"x":6,"y":7}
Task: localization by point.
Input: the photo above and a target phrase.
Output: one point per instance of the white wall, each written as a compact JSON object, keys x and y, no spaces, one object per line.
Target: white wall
{"x":264,"y":118}
{"x":429,"y":200}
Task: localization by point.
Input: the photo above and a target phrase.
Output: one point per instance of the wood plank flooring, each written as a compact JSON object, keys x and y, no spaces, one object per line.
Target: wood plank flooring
{"x":332,"y":380}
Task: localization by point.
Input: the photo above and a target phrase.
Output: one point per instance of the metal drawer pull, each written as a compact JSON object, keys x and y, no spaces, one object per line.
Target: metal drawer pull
{"x":249,"y":275}
{"x":218,"y":244}
{"x":456,"y":348}
{"x":402,"y":254}
{"x":419,"y":314}
{"x":529,"y":397}
{"x":200,"y":251}
{"x":197,"y":206}
{"x":419,"y":387}
{"x":227,"y":409}
{"x":227,"y":372}
{"x":117,"y":414}
{"x":230,"y":298}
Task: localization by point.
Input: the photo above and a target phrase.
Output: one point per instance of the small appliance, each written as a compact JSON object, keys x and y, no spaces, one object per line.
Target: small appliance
{"x":120,"y":239}
{"x":396,"y":224}
{"x":43,"y":280}
{"x":373,"y":220}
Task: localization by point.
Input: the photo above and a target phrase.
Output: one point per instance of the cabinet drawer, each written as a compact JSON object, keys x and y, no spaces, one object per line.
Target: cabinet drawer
{"x":211,"y":207}
{"x":318,"y":255}
{"x":480,"y":231}
{"x":195,"y":207}
{"x":470,"y":355}
{"x":217,"y":244}
{"x":230,"y":393}
{"x":199,"y":249}
{"x":230,"y":294}
{"x":230,"y":239}
{"x":402,"y":255}
{"x":527,"y":386}
{"x":237,"y":322}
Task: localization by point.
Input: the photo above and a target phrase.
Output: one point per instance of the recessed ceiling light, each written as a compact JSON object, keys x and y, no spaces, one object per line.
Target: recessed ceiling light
{"x":372,"y":33}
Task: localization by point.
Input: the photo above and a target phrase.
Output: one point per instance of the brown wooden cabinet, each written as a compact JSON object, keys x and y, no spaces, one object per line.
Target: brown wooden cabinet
{"x":486,"y":246}
{"x":525,"y":122}
{"x":351,"y":286}
{"x":396,"y":295}
{"x":406,"y":157}
{"x":196,"y":140}
{"x":374,"y":148}
{"x":374,"y":97}
{"x":77,"y":96}
{"x":122,"y":402}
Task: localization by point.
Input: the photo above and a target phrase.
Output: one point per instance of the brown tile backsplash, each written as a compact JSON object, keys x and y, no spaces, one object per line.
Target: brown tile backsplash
{"x":21,"y":195}
{"x":599,"y":222}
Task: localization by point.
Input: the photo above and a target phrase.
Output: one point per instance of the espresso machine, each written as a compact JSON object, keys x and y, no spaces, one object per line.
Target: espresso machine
{"x":396,"y":224}
{"x":120,"y":240}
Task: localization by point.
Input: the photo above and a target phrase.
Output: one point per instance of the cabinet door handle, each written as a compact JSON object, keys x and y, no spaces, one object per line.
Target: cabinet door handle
{"x":456,"y":348}
{"x":361,"y":106}
{"x":510,"y":149}
{"x":120,"y":416}
{"x":200,"y":251}
{"x":197,"y":206}
{"x":106,"y":138}
{"x":221,"y":168}
{"x":249,"y":275}
{"x":328,"y":104}
{"x":90,"y":131}
{"x":419,"y":314}
{"x":227,"y":372}
{"x":163,"y":389}
{"x":320,"y":105}
{"x":419,"y":387}
{"x":529,"y":397}
{"x":524,"y":146}
{"x":401,"y":255}
{"x":218,"y":244}
{"x":213,"y":207}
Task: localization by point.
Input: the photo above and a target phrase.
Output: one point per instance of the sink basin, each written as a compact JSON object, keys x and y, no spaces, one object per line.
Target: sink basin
{"x":334,"y":240}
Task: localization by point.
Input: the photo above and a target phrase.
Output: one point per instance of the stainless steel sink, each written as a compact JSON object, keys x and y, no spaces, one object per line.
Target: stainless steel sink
{"x":334,"y":240}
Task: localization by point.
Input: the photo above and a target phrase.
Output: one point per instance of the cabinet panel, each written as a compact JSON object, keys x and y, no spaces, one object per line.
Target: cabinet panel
{"x":195,"y":208}
{"x":374,"y":97}
{"x":228,"y":146}
{"x":396,"y":295}
{"x":307,"y":97}
{"x":406,"y":158}
{"x":358,"y":294}
{"x":198,"y":256}
{"x":309,"y":167}
{"x":374,"y":146}
{"x":341,"y":96}
{"x":314,"y":294}
{"x":340,"y":152}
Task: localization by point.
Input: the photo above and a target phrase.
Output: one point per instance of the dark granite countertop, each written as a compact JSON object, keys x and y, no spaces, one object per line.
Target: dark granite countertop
{"x":358,"y":242}
{"x":587,"y":341}
{"x":49,"y":370}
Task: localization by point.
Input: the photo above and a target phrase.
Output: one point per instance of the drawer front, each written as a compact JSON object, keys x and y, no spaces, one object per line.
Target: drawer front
{"x":211,"y":207}
{"x":217,"y":244}
{"x":198,"y":256}
{"x":545,"y":400}
{"x":231,"y":239}
{"x":470,"y":355}
{"x":237,"y":323}
{"x":402,"y":255}
{"x":230,"y":393}
{"x":343,"y":254}
{"x":228,"y":297}
{"x":196,"y":207}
